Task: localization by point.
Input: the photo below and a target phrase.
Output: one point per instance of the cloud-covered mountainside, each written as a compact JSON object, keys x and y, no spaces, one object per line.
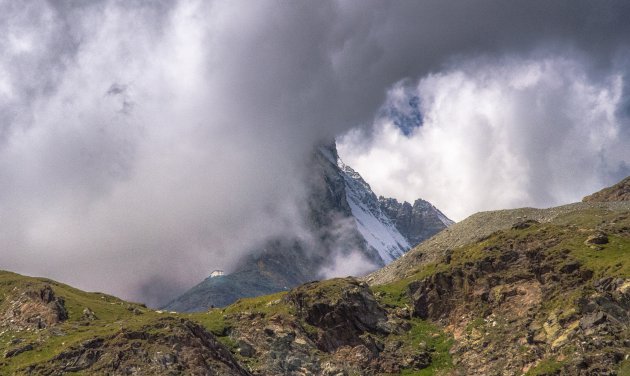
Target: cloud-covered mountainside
{"x":347,"y":231}
{"x":522,"y":292}
{"x":143,"y":143}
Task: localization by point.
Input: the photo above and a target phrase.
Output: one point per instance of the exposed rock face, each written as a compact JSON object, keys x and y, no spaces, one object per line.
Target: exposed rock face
{"x":334,"y":327}
{"x":343,"y":311}
{"x":376,"y":227}
{"x":524,"y":300}
{"x":618,"y":192}
{"x":521,"y":225}
{"x":418,"y":222}
{"x":18,"y":350}
{"x":37,"y":307}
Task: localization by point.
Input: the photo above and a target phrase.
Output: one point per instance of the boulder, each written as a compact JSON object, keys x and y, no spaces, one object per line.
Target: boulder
{"x":35,"y":308}
{"x":598,"y":238}
{"x":592,"y":319}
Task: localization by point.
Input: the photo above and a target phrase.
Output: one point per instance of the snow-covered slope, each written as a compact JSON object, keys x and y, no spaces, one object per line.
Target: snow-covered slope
{"x":388,"y":227}
{"x":376,"y":227}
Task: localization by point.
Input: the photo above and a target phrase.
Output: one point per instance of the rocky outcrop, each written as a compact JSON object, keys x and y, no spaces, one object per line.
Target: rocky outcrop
{"x":169,"y":346}
{"x":34,"y":307}
{"x":334,"y":327}
{"x":343,"y":311}
{"x":48,"y":328}
{"x":598,"y":238}
{"x":18,"y":350}
{"x":618,"y":192}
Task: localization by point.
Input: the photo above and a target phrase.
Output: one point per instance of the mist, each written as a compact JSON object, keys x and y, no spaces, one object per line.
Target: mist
{"x":144,"y":144}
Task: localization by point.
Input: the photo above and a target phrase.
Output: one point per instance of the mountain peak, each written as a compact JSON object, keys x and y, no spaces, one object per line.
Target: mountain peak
{"x":347,"y":223}
{"x":416,"y":222}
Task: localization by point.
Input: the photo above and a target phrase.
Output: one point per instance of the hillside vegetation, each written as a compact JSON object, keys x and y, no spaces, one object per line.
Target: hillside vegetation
{"x":520,"y":292}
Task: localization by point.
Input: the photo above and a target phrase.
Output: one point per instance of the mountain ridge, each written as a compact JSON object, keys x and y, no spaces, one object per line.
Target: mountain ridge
{"x":477,"y":227}
{"x":617,"y":192}
{"x":346,"y":220}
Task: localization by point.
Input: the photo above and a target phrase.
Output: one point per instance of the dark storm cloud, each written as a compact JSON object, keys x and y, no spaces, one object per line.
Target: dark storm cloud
{"x":144,"y":143}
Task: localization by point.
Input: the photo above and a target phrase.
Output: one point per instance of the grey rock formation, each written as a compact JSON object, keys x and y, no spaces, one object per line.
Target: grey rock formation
{"x":418,"y":222}
{"x":343,"y":215}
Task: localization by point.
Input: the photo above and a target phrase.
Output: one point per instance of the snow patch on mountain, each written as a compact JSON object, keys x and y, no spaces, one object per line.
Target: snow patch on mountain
{"x":376,"y":228}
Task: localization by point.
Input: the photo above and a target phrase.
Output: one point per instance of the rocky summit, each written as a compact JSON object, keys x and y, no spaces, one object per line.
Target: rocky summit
{"x":416,"y":222}
{"x":513,"y":292}
{"x":342,"y":214}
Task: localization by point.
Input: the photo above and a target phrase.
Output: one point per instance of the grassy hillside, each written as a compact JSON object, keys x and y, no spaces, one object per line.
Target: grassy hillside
{"x":481,"y":225}
{"x":521,"y":299}
{"x":87,"y":332}
{"x":523,"y":292}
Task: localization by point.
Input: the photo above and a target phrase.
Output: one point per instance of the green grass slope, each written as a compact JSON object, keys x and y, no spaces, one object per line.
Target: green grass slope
{"x":522,"y":292}
{"x":99,"y":334}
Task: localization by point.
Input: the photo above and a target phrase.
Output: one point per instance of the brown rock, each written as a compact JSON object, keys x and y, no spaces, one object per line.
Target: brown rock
{"x":618,"y":192}
{"x":597,"y":238}
{"x":342,"y":309}
{"x":35,"y":308}
{"x":18,"y":350}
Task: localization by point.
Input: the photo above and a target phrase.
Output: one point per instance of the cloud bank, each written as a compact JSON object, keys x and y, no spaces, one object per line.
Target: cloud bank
{"x":143,"y":144}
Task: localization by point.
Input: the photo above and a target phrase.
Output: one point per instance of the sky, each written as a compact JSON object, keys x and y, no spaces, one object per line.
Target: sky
{"x":144,"y":144}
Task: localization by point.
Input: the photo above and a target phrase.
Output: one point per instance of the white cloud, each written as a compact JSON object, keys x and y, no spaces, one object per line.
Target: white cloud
{"x":348,"y":264}
{"x":499,"y":134}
